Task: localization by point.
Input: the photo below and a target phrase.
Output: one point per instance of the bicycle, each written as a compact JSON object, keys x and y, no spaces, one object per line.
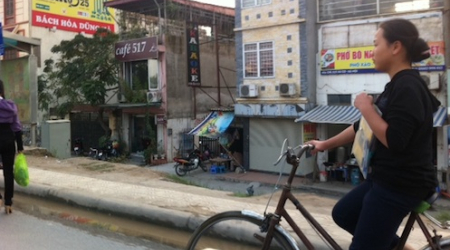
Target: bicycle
{"x":265,"y":232}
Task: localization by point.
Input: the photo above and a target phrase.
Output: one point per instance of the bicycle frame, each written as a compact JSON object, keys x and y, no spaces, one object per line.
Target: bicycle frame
{"x":280,"y":212}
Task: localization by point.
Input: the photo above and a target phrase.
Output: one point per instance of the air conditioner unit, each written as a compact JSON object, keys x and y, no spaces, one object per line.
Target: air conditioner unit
{"x":248,"y":90}
{"x":431,"y":79}
{"x":287,"y":89}
{"x":154,"y":96}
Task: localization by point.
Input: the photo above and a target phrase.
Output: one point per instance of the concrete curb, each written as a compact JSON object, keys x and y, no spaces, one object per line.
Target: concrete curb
{"x":131,"y":209}
{"x":151,"y":214}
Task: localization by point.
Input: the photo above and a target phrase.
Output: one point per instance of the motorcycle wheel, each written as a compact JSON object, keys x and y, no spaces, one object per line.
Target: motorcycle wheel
{"x":204,"y":168}
{"x":180,"y":170}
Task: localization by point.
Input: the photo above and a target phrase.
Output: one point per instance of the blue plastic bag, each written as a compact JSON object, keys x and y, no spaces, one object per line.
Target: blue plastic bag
{"x":21,"y":170}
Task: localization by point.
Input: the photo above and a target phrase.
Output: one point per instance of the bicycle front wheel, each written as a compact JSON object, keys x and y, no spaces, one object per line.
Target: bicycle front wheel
{"x":444,"y":243}
{"x":237,"y":230}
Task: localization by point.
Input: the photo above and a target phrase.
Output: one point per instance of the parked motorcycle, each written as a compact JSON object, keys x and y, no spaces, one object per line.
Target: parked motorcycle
{"x":192,"y":162}
{"x":111,"y":150}
{"x":97,"y":154}
{"x":78,"y":146}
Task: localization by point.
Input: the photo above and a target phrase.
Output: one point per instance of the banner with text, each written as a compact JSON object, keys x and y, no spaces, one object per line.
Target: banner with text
{"x":359,"y":60}
{"x":75,"y":15}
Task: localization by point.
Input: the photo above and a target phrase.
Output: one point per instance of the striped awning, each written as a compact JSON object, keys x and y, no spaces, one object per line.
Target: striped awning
{"x":350,"y":114}
{"x":332,"y":115}
{"x":440,"y":117}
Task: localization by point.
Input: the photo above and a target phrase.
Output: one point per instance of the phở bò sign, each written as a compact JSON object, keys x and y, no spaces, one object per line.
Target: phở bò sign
{"x":359,"y":60}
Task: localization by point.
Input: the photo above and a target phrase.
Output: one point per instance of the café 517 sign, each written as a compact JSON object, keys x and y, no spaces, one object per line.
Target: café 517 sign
{"x":137,"y":49}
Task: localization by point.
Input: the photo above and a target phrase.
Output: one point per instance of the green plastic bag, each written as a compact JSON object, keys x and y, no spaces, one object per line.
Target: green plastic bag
{"x":21,"y":170}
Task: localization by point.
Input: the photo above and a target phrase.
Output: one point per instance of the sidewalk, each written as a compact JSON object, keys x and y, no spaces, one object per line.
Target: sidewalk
{"x":177,"y":205}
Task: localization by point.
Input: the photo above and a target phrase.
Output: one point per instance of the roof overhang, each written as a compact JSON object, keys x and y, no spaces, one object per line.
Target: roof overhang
{"x":150,"y":7}
{"x":14,"y":41}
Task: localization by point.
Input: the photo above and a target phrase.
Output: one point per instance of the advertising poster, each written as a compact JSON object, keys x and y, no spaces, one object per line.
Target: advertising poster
{"x":75,"y":15}
{"x":358,"y":60}
{"x":214,"y":124}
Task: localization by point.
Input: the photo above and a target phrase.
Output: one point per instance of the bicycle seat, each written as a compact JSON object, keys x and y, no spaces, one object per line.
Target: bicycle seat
{"x":426,"y":203}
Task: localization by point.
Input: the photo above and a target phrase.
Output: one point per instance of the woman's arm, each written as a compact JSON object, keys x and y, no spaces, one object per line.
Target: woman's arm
{"x":16,"y":126}
{"x":346,"y":136}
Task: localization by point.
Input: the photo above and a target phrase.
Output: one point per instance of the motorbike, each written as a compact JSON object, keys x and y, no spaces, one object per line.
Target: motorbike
{"x":111,"y":150}
{"x":192,"y":162}
{"x":78,"y":146}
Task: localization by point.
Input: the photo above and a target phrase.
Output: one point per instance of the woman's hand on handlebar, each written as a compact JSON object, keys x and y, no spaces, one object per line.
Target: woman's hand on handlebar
{"x":318,"y":146}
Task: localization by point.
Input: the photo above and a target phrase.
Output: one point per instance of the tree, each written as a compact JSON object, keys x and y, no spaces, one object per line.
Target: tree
{"x":85,"y":71}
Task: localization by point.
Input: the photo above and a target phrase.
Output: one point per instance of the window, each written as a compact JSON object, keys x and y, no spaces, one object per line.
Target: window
{"x":340,"y":9}
{"x":271,"y":14}
{"x":10,"y":13}
{"x":339,"y":99}
{"x":258,"y":59}
{"x":142,"y":75}
{"x":253,"y":3}
{"x":258,"y":16}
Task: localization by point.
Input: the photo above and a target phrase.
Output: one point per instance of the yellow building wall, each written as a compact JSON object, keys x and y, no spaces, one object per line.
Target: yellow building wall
{"x":258,"y":26}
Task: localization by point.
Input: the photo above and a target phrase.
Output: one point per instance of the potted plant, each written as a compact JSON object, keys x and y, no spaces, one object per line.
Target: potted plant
{"x":161,"y":153}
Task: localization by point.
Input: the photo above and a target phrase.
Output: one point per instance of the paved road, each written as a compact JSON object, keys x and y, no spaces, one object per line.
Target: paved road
{"x":25,"y":232}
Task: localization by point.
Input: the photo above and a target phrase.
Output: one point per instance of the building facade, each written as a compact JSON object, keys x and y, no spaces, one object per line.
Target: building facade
{"x":193,"y":70}
{"x":275,"y":46}
{"x":322,"y":48}
{"x":345,"y":66}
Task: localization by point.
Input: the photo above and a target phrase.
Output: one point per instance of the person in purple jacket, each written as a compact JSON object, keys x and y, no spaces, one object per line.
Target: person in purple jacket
{"x":10,"y":134}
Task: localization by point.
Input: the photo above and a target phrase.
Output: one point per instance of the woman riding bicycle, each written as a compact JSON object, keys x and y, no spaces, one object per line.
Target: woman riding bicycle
{"x":401,"y":172}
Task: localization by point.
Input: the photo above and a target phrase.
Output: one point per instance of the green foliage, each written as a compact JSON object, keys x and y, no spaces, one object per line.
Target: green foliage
{"x":131,"y":26}
{"x":241,"y":195}
{"x":178,"y":179}
{"x":85,"y":71}
{"x":443,"y":216}
{"x":133,"y":96}
{"x":103,"y":141}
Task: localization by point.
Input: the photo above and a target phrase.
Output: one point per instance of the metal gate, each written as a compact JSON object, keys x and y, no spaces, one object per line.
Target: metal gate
{"x":212,"y":144}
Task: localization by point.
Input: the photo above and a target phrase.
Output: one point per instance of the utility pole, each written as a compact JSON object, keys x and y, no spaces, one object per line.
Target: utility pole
{"x":446,"y":26}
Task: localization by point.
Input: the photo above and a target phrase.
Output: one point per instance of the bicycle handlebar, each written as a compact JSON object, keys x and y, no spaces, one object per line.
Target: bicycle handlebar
{"x":291,"y":157}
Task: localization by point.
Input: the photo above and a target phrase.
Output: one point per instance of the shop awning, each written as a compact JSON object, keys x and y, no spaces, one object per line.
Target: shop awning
{"x":214,"y":124}
{"x":331,"y":114}
{"x":22,"y":43}
{"x":350,"y":114}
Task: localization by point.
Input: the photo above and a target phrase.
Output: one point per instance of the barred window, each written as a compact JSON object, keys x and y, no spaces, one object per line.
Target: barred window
{"x":337,"y":99}
{"x":258,"y":60}
{"x":253,"y":3}
{"x":9,"y":10}
{"x":342,"y":9}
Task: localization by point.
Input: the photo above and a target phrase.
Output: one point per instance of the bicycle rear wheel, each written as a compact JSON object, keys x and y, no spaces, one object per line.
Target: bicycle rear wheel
{"x":237,"y":230}
{"x":444,"y":243}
